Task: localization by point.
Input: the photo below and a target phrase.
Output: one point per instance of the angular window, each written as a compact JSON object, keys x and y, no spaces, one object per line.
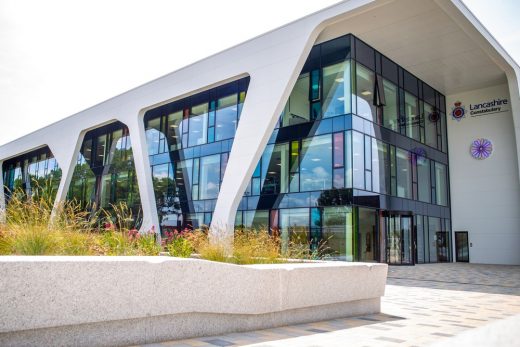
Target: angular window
{"x":198,"y":125}
{"x":404,"y":174}
{"x":174,"y":130}
{"x":108,"y":178}
{"x":153,"y":135}
{"x":336,"y":89}
{"x":275,"y":169}
{"x":365,"y":82}
{"x":34,"y":174}
{"x":316,"y":163}
{"x":297,"y":109}
{"x":226,"y":117}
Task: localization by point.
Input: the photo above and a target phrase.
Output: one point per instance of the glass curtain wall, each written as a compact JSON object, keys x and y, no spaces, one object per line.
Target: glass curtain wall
{"x":36,"y":173}
{"x":188,"y":144}
{"x":358,"y":135}
{"x":104,"y":174}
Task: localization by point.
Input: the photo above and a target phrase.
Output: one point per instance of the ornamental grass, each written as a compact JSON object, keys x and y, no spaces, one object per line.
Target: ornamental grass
{"x":32,"y":228}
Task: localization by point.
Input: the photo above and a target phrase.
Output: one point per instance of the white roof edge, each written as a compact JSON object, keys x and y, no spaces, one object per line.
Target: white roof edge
{"x":484,"y":32}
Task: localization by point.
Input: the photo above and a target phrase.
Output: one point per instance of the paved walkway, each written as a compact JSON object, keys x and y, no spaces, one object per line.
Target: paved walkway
{"x":422,"y":305}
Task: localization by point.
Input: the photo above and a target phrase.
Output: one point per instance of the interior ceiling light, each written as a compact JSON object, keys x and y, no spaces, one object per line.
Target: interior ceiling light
{"x":366,"y":92}
{"x":339,"y":80}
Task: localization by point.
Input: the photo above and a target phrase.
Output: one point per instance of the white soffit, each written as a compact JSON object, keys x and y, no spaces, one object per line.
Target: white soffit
{"x":421,"y":37}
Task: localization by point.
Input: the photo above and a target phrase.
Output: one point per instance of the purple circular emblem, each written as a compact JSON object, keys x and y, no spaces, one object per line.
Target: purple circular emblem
{"x":481,"y":149}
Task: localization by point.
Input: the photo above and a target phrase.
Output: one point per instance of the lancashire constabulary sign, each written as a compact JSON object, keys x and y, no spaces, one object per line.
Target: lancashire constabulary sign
{"x":499,"y":105}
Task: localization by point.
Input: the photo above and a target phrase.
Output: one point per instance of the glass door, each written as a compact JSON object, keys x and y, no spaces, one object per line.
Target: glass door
{"x":461,"y":246}
{"x":399,"y":240}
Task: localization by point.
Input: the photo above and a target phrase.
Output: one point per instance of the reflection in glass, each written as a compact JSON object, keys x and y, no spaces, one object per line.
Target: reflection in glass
{"x":431,"y":121}
{"x":336,"y":89}
{"x":294,"y":225}
{"x":441,"y":188}
{"x":209,"y":176}
{"x":316,"y":163}
{"x":413,"y":118}
{"x":358,"y":160}
{"x":423,"y":177}
{"x":297,"y":108}
{"x":337,"y":231}
{"x":434,"y":227}
{"x":380,"y":167}
{"x":367,"y":234}
{"x":275,"y":169}
{"x":391,"y":108}
{"x":226,"y":117}
{"x":365,"y":93}
{"x":404,"y":174}
{"x":198,"y":125}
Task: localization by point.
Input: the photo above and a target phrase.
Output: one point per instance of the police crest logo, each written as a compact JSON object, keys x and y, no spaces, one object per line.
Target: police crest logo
{"x":458,"y":112}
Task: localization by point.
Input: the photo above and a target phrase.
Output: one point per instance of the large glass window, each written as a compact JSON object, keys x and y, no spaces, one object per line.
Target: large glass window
{"x":358,"y":160}
{"x":198,"y":125}
{"x":391,"y":107}
{"x":209,"y":176}
{"x":294,"y":225}
{"x":365,"y":93}
{"x":109,"y":177}
{"x":316,"y":163}
{"x":431,"y":123}
{"x":441,"y":186}
{"x":423,"y":173}
{"x":174,"y":130}
{"x":336,"y":89}
{"x":275,"y":169}
{"x":337,"y":231}
{"x":297,"y":109}
{"x":434,"y":232}
{"x":380,"y":167}
{"x":32,"y":174}
{"x":257,"y":220}
{"x":226,"y":117}
{"x":413,"y":119}
{"x":404,"y":174}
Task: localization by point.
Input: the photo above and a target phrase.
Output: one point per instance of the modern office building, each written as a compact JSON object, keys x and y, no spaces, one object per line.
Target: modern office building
{"x":387,"y":129}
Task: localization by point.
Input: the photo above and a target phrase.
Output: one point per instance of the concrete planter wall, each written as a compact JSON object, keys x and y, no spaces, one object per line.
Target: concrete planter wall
{"x":96,"y":301}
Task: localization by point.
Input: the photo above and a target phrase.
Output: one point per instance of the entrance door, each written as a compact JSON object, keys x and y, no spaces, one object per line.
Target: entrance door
{"x":461,"y":246}
{"x":399,"y":240}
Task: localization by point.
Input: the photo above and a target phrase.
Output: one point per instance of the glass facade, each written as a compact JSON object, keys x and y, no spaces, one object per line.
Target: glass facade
{"x":357,"y":165}
{"x":104,"y":174}
{"x":33,"y":173}
{"x":189,"y":141}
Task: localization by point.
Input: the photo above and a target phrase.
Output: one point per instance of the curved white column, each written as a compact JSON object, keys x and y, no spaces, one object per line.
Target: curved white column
{"x":144,"y":176}
{"x":2,"y":195}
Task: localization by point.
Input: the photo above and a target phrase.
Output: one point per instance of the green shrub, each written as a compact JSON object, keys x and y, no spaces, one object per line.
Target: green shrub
{"x":180,"y":247}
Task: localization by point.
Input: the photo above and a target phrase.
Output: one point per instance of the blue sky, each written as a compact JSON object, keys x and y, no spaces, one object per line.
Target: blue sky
{"x":59,"y":57}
